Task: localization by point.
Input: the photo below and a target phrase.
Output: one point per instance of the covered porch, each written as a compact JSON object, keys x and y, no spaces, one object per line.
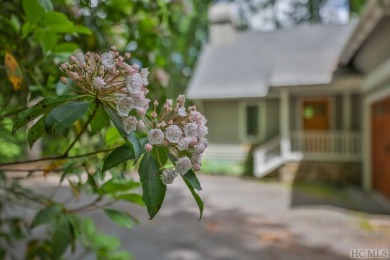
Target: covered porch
{"x":313,"y":127}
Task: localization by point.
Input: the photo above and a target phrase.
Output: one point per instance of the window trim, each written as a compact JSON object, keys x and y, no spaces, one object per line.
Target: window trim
{"x":261,"y":106}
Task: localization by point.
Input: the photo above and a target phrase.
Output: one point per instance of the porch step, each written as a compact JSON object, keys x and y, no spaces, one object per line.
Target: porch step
{"x":271,"y":165}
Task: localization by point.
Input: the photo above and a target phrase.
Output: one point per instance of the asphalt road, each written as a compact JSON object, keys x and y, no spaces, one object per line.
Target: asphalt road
{"x":247,"y":219}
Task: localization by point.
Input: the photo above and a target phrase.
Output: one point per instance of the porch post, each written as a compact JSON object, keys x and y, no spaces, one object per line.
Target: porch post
{"x":347,"y":111}
{"x":285,"y":142}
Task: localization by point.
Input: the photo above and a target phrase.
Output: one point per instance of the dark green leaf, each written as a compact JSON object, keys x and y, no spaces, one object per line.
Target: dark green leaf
{"x":48,"y":40}
{"x":42,"y":107}
{"x":46,"y":4}
{"x":192,"y":179}
{"x":135,"y":144}
{"x":46,"y":215}
{"x":64,"y":116}
{"x":160,"y":155}
{"x":153,"y":188}
{"x":34,"y":12}
{"x":118,"y":156}
{"x":132,"y":197}
{"x":120,"y":218}
{"x":66,"y":47}
{"x":116,"y":120}
{"x":198,"y":200}
{"x":99,"y":121}
{"x":61,"y":238}
{"x":114,"y":185}
{"x":36,"y":131}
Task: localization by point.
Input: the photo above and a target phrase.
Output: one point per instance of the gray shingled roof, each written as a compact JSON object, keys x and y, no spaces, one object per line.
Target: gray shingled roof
{"x":255,"y":61}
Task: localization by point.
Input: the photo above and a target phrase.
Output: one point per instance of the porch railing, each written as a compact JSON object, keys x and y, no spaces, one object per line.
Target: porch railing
{"x":308,"y":145}
{"x":334,"y":145}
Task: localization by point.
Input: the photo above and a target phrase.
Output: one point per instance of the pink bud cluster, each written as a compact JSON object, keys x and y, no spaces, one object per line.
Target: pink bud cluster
{"x":183,"y":130}
{"x":113,"y":81}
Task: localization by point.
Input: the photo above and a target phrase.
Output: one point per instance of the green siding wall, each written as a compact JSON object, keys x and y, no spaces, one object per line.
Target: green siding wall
{"x":222,"y":122}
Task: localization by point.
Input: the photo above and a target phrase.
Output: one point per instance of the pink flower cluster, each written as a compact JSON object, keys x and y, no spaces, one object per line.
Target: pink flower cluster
{"x":183,"y":130}
{"x":113,"y":81}
{"x":122,"y":87}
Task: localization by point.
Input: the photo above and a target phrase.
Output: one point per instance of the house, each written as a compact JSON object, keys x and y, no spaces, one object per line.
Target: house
{"x":313,"y":93}
{"x":368,"y":51}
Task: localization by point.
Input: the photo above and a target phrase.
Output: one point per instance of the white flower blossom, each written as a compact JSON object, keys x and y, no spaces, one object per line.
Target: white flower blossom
{"x":144,"y":75}
{"x":124,"y":106}
{"x":181,"y":111}
{"x":183,"y":165}
{"x":107,"y":59}
{"x":200,"y":148}
{"x":138,"y":99}
{"x":202,"y":131}
{"x":196,"y":158}
{"x":129,"y":123}
{"x":98,"y":82}
{"x":173,"y":133}
{"x":184,"y":143}
{"x":134,"y":83}
{"x":155,"y":136}
{"x":168,"y":176}
{"x":191,"y":130}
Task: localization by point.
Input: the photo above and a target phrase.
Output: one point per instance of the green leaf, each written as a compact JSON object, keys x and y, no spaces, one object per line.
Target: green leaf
{"x":36,"y":131}
{"x":160,"y":154}
{"x":54,"y":18}
{"x":48,"y":40}
{"x":100,"y":120}
{"x":135,"y":144}
{"x":81,"y":29}
{"x":65,"y":115}
{"x":116,"y":120}
{"x":46,"y":215}
{"x":34,"y":12}
{"x":132,"y":197}
{"x":66,"y":47}
{"x":61,"y":238}
{"x":153,"y":188}
{"x":42,"y":107}
{"x":120,"y":218}
{"x":114,"y":185}
{"x":46,"y":4}
{"x":118,"y":156}
{"x":198,"y":200}
{"x":192,"y":179}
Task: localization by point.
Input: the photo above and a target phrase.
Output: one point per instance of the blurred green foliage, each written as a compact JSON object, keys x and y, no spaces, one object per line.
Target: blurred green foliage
{"x":36,"y":37}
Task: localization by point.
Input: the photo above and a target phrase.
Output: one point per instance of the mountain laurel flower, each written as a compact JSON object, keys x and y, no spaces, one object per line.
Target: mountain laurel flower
{"x":138,"y":99}
{"x":173,"y":133}
{"x":184,"y":143}
{"x":134,"y":83}
{"x":181,"y":111}
{"x":181,"y":99}
{"x":191,"y":130}
{"x":140,"y":125}
{"x":196,"y":158}
{"x":200,"y":148}
{"x":155,"y":136}
{"x":129,"y":124}
{"x":168,"y":176}
{"x":124,"y":106}
{"x":148,"y":147}
{"x":183,"y":165}
{"x":197,"y":167}
{"x":107,"y":59}
{"x":202,"y":131}
{"x":153,"y":114}
{"x":141,"y":111}
{"x":144,"y":75}
{"x":98,"y":83}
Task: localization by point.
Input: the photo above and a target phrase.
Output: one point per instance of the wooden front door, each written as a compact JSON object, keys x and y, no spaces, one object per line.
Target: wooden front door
{"x":381,"y":147}
{"x":316,"y":115}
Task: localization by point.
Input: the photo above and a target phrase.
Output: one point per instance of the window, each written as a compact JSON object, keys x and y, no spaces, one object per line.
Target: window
{"x":252,"y":120}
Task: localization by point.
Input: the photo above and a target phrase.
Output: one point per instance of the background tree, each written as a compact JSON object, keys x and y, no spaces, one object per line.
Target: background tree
{"x":37,"y":37}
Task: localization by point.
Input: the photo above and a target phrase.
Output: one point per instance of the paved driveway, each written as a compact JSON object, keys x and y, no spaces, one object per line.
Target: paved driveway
{"x":247,"y":219}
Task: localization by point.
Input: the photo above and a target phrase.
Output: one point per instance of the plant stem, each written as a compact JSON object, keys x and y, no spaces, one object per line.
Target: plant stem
{"x":65,"y":154}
